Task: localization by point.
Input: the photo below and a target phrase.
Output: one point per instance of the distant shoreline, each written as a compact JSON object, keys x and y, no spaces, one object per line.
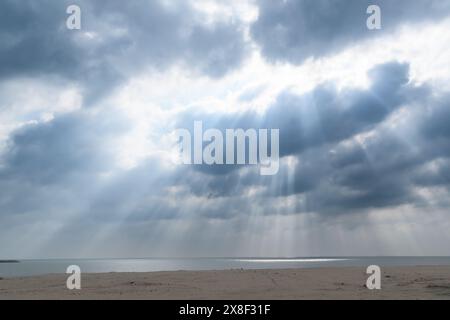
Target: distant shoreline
{"x":9,"y":261}
{"x":408,"y":283}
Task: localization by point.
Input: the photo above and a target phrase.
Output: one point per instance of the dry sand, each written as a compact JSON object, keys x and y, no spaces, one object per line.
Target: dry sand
{"x":329,"y":283}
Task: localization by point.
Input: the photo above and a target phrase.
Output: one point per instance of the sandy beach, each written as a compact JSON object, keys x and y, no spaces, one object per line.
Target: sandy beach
{"x":321,"y":283}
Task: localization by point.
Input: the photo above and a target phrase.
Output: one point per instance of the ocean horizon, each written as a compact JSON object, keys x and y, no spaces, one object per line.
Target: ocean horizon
{"x":35,"y":267}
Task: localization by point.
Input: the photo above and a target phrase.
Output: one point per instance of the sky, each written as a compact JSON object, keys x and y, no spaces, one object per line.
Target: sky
{"x":87,"y":117}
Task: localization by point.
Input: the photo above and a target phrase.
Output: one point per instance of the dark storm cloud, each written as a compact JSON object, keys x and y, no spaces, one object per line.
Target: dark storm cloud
{"x":296,"y":30}
{"x":334,"y":172}
{"x":383,"y":171}
{"x":118,"y":39}
{"x":55,"y":164}
{"x":436,"y":123}
{"x":378,"y":177}
{"x":48,"y":152}
{"x":319,"y":117}
{"x":437,"y":175}
{"x":322,"y":116}
{"x":326,"y":115}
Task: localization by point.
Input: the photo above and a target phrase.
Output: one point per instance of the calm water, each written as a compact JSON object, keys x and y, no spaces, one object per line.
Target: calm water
{"x":39,"y":267}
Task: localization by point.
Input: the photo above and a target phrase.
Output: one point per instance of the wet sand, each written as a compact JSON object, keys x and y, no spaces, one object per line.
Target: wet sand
{"x":290,"y":284}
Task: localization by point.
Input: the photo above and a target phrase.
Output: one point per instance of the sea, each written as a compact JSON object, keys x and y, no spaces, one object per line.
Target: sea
{"x":24,"y":268}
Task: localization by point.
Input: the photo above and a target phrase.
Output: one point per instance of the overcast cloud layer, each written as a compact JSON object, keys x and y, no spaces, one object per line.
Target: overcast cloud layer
{"x":293,"y":31}
{"x":122,"y":38}
{"x":364,"y":169}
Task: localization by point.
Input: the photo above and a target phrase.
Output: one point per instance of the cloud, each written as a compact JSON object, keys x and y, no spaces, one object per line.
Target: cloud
{"x":293,"y":31}
{"x":350,"y":156}
{"x":341,"y":150}
{"x":51,"y":151}
{"x":324,"y":115}
{"x":117,"y":40}
{"x":344,"y":151}
{"x":54,"y":166}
